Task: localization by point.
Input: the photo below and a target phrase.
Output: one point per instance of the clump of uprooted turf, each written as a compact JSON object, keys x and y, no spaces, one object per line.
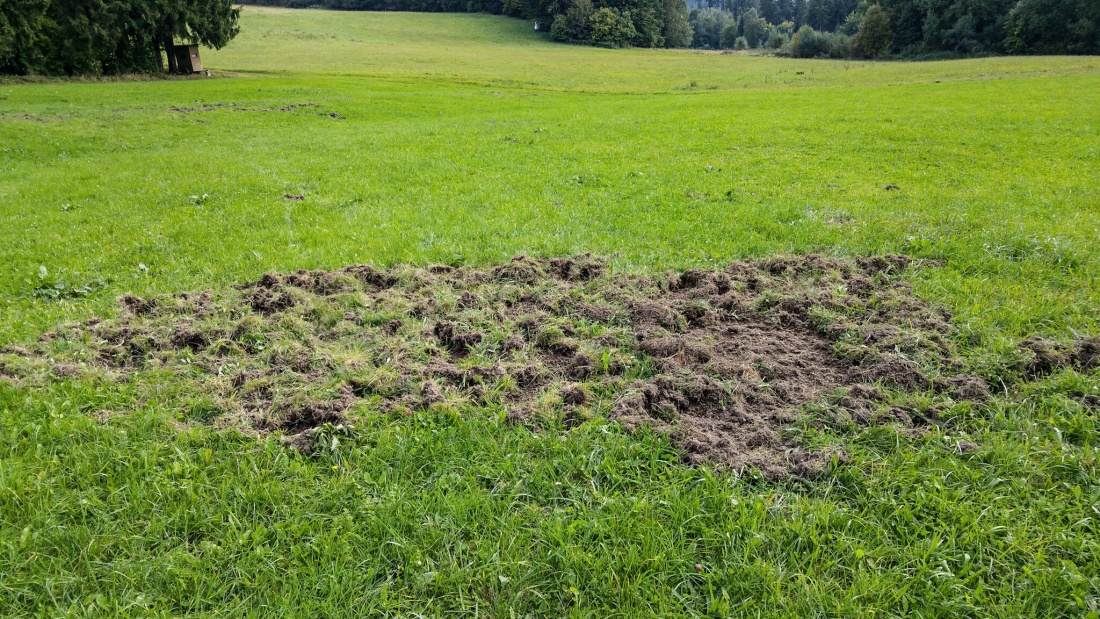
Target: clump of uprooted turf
{"x":720,"y":361}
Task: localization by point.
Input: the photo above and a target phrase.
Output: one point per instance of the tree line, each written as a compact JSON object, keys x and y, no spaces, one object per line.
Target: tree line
{"x":803,"y":28}
{"x":106,"y":37}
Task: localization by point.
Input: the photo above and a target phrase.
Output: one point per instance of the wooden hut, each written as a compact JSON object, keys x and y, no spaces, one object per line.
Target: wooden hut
{"x":187,"y":58}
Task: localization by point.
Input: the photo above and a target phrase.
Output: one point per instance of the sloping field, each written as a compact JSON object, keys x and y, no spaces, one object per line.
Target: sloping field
{"x":783,"y":338}
{"x":490,"y":51}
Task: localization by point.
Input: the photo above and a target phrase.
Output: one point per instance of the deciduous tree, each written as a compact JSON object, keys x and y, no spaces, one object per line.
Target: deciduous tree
{"x":874,"y":37}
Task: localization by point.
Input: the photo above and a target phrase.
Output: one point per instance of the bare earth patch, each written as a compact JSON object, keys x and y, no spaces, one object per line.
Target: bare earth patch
{"x":720,"y":361}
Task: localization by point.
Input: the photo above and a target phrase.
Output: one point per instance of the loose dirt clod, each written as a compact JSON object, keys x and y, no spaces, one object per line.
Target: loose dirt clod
{"x":137,"y":306}
{"x":65,"y":370}
{"x":720,"y":361}
{"x":1087,"y":353}
{"x":1042,"y":356}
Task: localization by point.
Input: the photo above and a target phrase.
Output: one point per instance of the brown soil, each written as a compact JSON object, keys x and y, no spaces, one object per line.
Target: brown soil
{"x":720,"y":361}
{"x":1043,"y":356}
{"x":237,"y":107}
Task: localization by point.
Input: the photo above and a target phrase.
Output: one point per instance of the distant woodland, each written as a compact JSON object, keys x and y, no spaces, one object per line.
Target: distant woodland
{"x":802,"y":28}
{"x":105,"y":37}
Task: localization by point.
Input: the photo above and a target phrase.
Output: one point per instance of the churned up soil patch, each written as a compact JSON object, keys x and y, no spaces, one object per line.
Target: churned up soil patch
{"x":720,"y":361}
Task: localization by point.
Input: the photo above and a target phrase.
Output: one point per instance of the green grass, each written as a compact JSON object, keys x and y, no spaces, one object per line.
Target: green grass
{"x":490,"y":51}
{"x":470,"y":139}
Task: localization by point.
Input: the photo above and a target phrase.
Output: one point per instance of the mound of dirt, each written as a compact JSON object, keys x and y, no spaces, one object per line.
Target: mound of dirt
{"x":718,"y":360}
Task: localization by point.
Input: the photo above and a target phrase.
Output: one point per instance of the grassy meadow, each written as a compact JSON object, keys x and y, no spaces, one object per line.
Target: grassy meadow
{"x":326,"y":139}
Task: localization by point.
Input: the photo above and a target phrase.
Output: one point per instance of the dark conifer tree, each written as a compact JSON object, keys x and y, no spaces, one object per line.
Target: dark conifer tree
{"x":97,"y":37}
